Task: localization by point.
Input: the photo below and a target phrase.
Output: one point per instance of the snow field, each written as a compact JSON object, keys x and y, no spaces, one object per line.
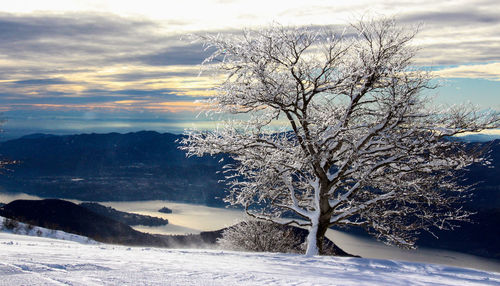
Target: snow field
{"x":28,"y":260}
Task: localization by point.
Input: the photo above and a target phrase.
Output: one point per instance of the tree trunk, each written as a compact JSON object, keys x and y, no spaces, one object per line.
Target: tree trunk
{"x":320,"y":221}
{"x":320,"y":235}
{"x":316,"y":237}
{"x":312,"y":245}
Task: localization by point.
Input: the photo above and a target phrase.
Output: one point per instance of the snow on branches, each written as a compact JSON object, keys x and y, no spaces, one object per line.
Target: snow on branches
{"x":260,"y":236}
{"x":359,"y":144}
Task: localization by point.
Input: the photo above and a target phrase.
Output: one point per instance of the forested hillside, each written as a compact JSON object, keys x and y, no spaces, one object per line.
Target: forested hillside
{"x":110,"y":167}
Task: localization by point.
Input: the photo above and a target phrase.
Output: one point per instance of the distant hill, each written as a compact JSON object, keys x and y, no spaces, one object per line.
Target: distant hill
{"x":124,"y":217}
{"x":13,"y":226}
{"x":485,"y":178}
{"x":38,"y":136}
{"x":478,"y":237}
{"x":110,"y":167}
{"x":72,"y":218}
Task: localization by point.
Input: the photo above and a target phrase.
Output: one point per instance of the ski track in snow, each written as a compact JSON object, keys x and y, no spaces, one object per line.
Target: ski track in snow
{"x":26,"y":260}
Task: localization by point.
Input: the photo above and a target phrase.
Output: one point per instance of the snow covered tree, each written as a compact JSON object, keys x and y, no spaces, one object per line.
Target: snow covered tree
{"x":335,"y":129}
{"x":260,"y":236}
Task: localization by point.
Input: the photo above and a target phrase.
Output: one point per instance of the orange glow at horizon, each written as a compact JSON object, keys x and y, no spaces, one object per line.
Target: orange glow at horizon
{"x":129,"y":105}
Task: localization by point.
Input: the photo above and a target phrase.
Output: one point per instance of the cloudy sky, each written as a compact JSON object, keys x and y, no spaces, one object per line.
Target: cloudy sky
{"x":69,"y":66}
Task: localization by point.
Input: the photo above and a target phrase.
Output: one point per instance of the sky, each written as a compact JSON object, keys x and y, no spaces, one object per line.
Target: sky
{"x":81,"y":66}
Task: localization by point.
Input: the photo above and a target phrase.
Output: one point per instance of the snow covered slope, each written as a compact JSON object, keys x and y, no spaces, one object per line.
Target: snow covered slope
{"x":25,"y":229}
{"x":28,"y":260}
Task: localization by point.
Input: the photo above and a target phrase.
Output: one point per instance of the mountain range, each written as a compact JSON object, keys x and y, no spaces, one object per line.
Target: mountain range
{"x":110,"y":167}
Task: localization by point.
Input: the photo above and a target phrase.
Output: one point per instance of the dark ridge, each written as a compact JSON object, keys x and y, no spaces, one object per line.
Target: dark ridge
{"x":479,"y":237}
{"x":72,"y":218}
{"x":143,"y":165}
{"x":37,"y":136}
{"x":124,"y":217}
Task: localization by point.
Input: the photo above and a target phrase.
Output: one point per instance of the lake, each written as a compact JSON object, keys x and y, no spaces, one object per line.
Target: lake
{"x":185,"y":218}
{"x":191,"y":218}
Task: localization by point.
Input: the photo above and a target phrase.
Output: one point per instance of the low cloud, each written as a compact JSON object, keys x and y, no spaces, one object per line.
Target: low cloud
{"x":460,"y":17}
{"x":455,"y":33}
{"x":176,"y":55}
{"x":47,"y":81}
{"x":489,"y":71}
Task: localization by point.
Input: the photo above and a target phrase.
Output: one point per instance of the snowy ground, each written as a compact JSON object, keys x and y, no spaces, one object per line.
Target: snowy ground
{"x":28,"y":260}
{"x":30,"y":230}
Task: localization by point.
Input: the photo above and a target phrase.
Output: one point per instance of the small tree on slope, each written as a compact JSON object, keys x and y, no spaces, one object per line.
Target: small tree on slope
{"x":359,"y":145}
{"x":260,"y":236}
